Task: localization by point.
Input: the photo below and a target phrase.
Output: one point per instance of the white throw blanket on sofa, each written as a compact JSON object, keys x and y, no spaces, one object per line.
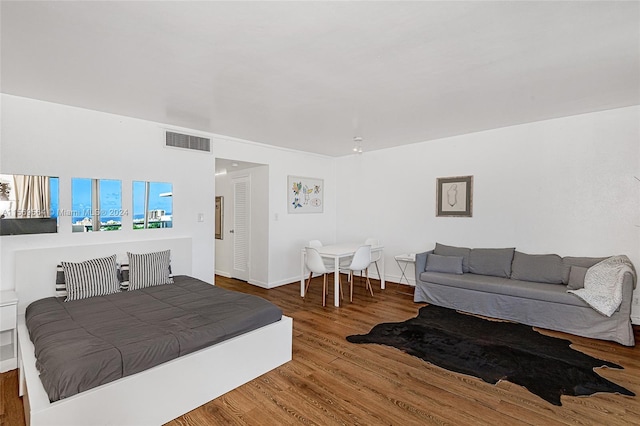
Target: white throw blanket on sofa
{"x":603,"y":284}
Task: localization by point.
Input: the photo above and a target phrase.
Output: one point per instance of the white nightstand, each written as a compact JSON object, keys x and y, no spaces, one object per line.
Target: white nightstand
{"x":8,"y":331}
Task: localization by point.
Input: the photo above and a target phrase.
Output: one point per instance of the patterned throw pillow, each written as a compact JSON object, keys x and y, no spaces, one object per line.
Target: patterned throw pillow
{"x":149,"y":269}
{"x":61,"y":285}
{"x":95,"y":277}
{"x":124,"y":277}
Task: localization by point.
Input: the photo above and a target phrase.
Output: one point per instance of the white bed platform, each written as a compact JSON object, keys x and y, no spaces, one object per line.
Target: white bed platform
{"x":154,"y":396}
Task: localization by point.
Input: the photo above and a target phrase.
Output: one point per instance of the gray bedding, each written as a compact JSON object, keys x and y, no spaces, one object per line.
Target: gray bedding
{"x":86,"y":343}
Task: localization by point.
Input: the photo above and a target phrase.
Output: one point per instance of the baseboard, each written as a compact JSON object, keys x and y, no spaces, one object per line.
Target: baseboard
{"x":393,"y":279}
{"x":258,"y":283}
{"x":390,"y":279}
{"x":222,"y":273}
{"x":292,"y":280}
{"x":261,"y":283}
{"x":8,"y":365}
{"x":252,"y":282}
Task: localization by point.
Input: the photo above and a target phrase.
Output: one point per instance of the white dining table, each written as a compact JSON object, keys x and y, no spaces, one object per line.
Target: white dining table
{"x":338,"y":252}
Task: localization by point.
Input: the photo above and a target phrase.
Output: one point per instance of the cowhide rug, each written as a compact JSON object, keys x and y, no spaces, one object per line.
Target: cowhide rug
{"x":495,"y":351}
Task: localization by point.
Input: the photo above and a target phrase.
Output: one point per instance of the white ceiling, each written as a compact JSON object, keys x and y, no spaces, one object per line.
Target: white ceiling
{"x":225,"y":166}
{"x":312,"y":75}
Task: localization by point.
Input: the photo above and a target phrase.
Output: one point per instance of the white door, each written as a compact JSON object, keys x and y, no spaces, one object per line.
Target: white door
{"x":241,"y":227}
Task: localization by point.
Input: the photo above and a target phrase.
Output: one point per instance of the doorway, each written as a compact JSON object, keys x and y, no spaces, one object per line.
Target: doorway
{"x":241,"y":248}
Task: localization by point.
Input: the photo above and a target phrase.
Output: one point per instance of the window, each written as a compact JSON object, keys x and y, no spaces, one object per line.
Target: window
{"x":152,"y":205}
{"x":96,"y":204}
{"x":28,"y":204}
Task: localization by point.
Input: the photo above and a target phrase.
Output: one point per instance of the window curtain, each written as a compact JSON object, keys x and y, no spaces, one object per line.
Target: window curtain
{"x":33,"y":198}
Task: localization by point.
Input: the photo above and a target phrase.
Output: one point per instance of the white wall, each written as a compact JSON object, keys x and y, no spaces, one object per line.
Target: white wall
{"x":562,"y":186}
{"x":259,"y":226}
{"x":43,"y":138}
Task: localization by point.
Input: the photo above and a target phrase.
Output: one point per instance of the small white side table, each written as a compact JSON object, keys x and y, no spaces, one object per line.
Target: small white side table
{"x":8,"y":319}
{"x":403,"y":261}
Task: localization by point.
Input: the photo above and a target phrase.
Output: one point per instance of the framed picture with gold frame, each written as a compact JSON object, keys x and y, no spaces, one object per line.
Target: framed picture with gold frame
{"x":219,"y":217}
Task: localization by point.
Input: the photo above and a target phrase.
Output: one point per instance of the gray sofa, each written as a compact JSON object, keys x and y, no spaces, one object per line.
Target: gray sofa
{"x":515,"y":286}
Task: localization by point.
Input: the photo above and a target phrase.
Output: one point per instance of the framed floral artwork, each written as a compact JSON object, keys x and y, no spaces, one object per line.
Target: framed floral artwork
{"x":305,"y":195}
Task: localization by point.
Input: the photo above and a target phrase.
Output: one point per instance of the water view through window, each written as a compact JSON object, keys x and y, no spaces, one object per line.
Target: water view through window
{"x":96,"y":205}
{"x":54,"y":193}
{"x":152,"y":205}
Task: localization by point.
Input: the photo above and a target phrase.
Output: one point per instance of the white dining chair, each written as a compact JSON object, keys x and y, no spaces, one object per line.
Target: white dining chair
{"x":316,"y":265}
{"x":315,"y":244}
{"x":375,"y":256}
{"x":360,"y":262}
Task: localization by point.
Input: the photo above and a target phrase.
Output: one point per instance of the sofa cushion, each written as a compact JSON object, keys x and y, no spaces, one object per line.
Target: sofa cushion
{"x":446,"y":264}
{"x":576,"y":277}
{"x":504,"y":286}
{"x":444,"y":250}
{"x":541,"y":268}
{"x":584,"y":262}
{"x":489,"y":261}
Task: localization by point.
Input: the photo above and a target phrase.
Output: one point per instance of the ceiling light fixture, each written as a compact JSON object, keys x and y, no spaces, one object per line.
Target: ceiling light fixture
{"x":357,"y":144}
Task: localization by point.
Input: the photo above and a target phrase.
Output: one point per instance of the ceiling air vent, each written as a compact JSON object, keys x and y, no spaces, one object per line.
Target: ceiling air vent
{"x":179,"y":140}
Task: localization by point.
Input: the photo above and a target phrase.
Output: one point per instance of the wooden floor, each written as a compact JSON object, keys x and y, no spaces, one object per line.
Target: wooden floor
{"x":330,"y":381}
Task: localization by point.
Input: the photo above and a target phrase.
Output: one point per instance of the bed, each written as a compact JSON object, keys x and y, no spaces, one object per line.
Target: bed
{"x":171,"y":385}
